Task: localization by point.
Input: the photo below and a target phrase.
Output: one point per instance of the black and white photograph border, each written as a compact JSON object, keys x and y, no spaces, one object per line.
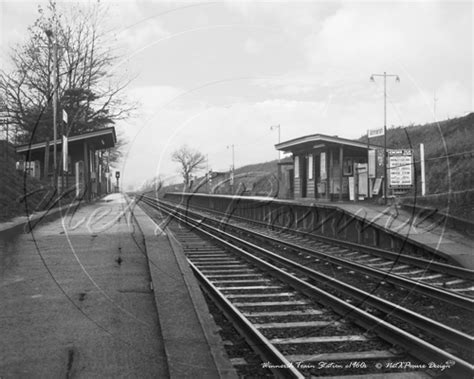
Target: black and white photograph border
{"x":236,"y":189}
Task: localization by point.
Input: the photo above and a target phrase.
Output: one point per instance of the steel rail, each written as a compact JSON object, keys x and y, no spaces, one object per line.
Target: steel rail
{"x":452,"y":335}
{"x":405,"y":282}
{"x":408,"y":283}
{"x":423,"y":350}
{"x":398,"y":257}
{"x":427,"y":249}
{"x":252,"y":335}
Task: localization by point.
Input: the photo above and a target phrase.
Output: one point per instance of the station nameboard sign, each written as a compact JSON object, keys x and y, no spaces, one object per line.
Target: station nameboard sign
{"x":400,"y":167}
{"x":371,"y":133}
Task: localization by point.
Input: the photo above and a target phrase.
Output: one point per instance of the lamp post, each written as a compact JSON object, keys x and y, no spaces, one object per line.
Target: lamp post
{"x":273,"y":127}
{"x":397,"y":78}
{"x":49,"y":34}
{"x":208,"y":176}
{"x":232,"y":169}
{"x":4,"y":121}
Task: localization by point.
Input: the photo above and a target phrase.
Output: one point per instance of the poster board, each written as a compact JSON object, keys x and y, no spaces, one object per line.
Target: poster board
{"x":362,"y":179}
{"x":400,"y":168}
{"x":371,"y":163}
{"x":377,"y":185}
{"x":310,"y":167}
{"x":323,"y":172}
{"x":297,"y":167}
{"x":351,"y":188}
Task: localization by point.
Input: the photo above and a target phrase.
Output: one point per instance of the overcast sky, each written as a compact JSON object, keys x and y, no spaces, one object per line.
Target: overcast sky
{"x":213,"y":74}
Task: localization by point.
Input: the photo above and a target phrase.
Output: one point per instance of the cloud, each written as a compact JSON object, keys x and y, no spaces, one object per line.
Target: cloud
{"x":137,"y":29}
{"x":246,"y":124}
{"x":251,"y":46}
{"x":367,"y":37}
{"x":211,"y":129}
{"x":152,"y":97}
{"x":312,"y":59}
{"x":452,"y":100}
{"x":297,"y":84}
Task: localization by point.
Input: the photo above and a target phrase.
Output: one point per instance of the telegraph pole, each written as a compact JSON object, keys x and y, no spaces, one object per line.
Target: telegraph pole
{"x":277,"y":127}
{"x":4,"y":121}
{"x":50,"y":35}
{"x":232,"y":168}
{"x":397,"y":78}
{"x":208,"y":176}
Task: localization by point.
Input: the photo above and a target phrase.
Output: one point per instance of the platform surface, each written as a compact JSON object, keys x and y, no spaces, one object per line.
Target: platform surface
{"x":76,"y":300}
{"x":98,"y":293}
{"x":191,"y":338}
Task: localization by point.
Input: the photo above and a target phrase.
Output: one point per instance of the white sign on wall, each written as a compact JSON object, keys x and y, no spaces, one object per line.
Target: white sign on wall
{"x":310,"y":166}
{"x":297,"y":167}
{"x":400,"y":167}
{"x":65,"y":154}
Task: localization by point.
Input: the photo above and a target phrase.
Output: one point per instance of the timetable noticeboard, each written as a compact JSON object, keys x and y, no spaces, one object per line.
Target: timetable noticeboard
{"x":400,"y":168}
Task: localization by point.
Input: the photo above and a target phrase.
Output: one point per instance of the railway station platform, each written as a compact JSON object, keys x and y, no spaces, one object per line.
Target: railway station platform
{"x":387,"y":227}
{"x":97,"y":293}
{"x":416,"y":228}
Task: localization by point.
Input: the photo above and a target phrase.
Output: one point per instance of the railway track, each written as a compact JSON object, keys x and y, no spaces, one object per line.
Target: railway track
{"x":427,"y":261}
{"x":272,"y":300}
{"x":437,"y":280}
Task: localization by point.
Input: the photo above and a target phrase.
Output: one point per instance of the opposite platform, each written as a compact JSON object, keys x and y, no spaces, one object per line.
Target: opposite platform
{"x":425,"y":232}
{"x":386,"y":227}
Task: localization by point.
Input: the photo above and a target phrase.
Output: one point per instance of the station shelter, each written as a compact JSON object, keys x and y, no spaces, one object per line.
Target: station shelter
{"x":87,"y":166}
{"x":330,"y":168}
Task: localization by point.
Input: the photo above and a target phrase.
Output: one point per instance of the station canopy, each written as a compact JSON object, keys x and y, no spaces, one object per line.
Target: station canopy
{"x":306,"y":144}
{"x":98,"y":139}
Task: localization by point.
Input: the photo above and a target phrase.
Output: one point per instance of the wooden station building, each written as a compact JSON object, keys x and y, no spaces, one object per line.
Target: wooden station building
{"x":87,"y":162}
{"x":328,"y":168}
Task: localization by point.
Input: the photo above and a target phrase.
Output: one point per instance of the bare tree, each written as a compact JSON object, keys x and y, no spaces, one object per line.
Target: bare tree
{"x":66,"y":52}
{"x":153,"y":185}
{"x":190,"y":161}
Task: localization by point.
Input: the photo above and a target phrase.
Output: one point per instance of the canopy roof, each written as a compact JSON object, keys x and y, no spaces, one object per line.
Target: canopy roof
{"x":317,"y":141}
{"x":99,"y":139}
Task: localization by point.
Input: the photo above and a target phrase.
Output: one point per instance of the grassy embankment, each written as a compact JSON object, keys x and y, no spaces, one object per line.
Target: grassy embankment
{"x":449,"y":162}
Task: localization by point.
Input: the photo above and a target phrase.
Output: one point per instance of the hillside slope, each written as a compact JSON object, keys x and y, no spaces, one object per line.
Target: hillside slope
{"x":449,"y":151}
{"x":253,"y":179}
{"x":449,"y":163}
